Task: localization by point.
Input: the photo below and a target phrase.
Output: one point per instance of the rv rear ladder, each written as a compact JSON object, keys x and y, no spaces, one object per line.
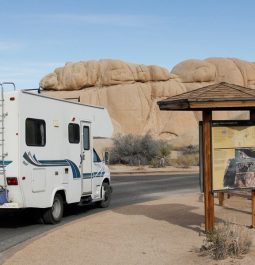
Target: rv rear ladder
{"x":3,"y":115}
{"x":2,"y":153}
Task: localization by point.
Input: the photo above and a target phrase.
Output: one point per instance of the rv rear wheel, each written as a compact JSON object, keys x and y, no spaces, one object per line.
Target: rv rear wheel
{"x":107,"y":196}
{"x":54,"y":214}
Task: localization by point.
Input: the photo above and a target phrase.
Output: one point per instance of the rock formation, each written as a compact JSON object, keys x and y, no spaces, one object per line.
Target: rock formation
{"x":198,"y":73}
{"x":131,"y":91}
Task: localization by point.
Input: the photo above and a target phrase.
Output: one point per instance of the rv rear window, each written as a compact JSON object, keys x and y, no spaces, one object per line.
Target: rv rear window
{"x":74,"y":133}
{"x":35,"y":132}
{"x":86,"y":138}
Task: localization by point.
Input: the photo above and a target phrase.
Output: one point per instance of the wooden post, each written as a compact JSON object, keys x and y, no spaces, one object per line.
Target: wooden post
{"x":252,"y":114}
{"x":253,"y":208}
{"x":207,"y":171}
{"x":221,"y":198}
{"x":252,"y":118}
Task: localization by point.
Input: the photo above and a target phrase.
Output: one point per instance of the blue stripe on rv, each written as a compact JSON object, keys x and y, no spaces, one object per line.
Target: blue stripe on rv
{"x":75,"y":169}
{"x":5,"y":163}
{"x":94,"y":175}
{"x":53,"y":163}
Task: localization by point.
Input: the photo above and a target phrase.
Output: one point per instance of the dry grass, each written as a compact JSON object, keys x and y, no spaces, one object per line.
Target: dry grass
{"x":227,"y":240}
{"x":186,"y":160}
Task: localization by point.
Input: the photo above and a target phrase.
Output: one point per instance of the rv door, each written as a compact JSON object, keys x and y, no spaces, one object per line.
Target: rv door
{"x":86,"y":158}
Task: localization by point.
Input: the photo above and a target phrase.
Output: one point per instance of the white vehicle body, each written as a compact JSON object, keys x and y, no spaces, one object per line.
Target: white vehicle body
{"x":47,"y":148}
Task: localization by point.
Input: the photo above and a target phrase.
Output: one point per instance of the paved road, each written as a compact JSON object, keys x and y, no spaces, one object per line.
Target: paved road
{"x":17,"y":228}
{"x":134,"y":189}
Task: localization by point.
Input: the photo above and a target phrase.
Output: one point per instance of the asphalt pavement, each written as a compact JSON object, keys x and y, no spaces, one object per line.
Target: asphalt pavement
{"x":127,"y":190}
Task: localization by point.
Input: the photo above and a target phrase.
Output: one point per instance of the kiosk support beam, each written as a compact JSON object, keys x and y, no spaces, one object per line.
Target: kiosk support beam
{"x":207,"y":171}
{"x":252,"y":118}
{"x":253,"y":209}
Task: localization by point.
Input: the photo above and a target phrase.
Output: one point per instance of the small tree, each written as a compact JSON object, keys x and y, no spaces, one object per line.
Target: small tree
{"x":164,"y":153}
{"x":137,"y":150}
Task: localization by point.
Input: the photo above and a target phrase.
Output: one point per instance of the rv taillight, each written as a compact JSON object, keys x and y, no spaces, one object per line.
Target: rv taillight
{"x":12,"y":98}
{"x":11,"y":181}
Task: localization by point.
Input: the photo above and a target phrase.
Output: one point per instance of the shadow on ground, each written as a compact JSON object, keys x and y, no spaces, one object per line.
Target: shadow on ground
{"x":29,"y":217}
{"x":174,"y":213}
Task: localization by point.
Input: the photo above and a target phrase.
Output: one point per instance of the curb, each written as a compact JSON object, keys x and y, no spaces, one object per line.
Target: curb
{"x":132,"y":173}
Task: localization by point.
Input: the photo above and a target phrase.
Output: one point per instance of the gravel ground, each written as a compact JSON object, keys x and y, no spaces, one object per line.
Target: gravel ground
{"x":166,"y":231}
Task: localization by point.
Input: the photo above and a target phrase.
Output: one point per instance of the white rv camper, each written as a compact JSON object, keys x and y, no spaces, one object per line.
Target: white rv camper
{"x":47,"y":155}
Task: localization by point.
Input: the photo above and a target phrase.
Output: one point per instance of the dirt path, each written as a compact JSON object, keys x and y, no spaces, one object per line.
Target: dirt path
{"x":166,"y":231}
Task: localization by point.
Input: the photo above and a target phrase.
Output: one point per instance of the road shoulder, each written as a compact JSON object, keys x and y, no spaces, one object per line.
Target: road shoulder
{"x":164,"y":231}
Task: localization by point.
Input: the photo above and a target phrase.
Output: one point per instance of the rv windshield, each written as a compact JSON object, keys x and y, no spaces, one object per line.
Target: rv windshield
{"x":96,"y":158}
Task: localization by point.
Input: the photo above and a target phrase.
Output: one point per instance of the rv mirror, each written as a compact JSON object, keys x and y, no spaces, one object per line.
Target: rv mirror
{"x":106,"y":157}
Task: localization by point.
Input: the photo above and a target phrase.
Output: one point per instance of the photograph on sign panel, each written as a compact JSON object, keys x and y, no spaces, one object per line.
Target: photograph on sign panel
{"x":240,"y":171}
{"x":233,"y":156}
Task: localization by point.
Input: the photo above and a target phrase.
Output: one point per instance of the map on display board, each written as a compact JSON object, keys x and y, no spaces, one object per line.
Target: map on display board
{"x":233,"y":154}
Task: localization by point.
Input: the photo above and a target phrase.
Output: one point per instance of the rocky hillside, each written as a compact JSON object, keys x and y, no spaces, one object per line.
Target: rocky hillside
{"x":131,"y":91}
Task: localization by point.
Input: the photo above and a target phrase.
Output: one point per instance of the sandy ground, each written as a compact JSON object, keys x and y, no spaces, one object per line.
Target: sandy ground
{"x":123,"y":169}
{"x":166,"y":231}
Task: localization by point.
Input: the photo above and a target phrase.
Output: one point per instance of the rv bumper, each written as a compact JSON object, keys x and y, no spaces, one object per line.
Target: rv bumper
{"x":10,"y":205}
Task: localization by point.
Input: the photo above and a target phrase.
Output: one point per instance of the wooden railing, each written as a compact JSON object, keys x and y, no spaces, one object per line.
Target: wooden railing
{"x":240,"y":193}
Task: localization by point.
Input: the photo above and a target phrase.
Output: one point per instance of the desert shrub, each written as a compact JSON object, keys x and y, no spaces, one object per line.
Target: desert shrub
{"x":148,"y":146}
{"x":190,"y":149}
{"x":227,"y":240}
{"x":137,"y":150}
{"x":164,"y":149}
{"x":189,"y":156}
{"x":133,"y":150}
{"x":186,"y":160}
{"x":163,"y":157}
{"x":155,"y":163}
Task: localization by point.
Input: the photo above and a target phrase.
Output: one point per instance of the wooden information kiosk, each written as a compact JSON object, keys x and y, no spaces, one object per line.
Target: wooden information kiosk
{"x":217,"y":97}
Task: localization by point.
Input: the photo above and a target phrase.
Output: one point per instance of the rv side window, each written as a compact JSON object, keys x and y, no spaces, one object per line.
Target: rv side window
{"x":35,"y":132}
{"x":86,"y":142}
{"x":74,"y":133}
{"x":96,"y":158}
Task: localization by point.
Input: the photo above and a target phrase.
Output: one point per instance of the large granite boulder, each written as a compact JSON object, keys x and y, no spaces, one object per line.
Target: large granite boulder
{"x":131,"y":91}
{"x":198,"y":73}
{"x":77,"y":76}
{"x":194,"y":74}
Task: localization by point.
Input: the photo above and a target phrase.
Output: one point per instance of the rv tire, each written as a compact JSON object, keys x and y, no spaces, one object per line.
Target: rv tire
{"x":107,"y":196}
{"x":54,"y":214}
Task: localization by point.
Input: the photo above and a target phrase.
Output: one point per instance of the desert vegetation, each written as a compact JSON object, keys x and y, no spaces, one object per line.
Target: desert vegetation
{"x":227,"y":240}
{"x":139,"y":150}
{"x":136,"y":150}
{"x":189,"y":156}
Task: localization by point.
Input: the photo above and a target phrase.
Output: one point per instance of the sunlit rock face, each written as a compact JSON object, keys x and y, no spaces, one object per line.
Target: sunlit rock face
{"x":194,"y":74}
{"x":130,"y":92}
{"x":198,"y":73}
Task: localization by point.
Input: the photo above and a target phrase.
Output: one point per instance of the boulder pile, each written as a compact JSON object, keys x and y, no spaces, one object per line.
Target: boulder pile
{"x":130,"y":92}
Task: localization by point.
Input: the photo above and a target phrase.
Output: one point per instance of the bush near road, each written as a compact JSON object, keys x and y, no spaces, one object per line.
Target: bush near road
{"x":136,"y":150}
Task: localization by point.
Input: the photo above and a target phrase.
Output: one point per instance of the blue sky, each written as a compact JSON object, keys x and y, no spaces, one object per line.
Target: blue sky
{"x":38,"y":36}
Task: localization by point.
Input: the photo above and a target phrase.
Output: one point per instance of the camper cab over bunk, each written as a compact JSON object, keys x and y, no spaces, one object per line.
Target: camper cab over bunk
{"x":47,"y":155}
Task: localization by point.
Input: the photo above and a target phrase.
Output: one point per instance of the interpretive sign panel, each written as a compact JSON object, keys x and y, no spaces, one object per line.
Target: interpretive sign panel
{"x":233,"y":154}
